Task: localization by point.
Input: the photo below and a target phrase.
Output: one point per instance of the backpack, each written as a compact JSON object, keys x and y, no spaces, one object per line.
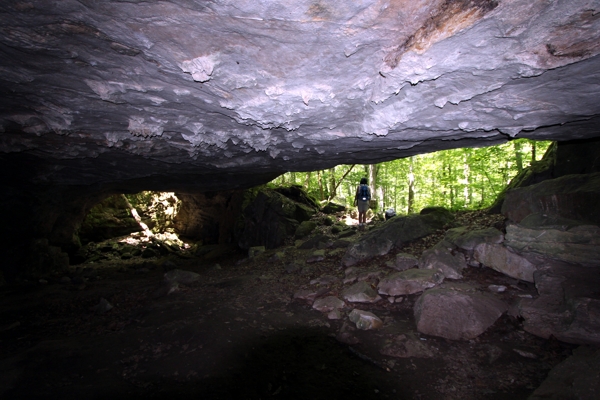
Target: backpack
{"x":364,"y":193}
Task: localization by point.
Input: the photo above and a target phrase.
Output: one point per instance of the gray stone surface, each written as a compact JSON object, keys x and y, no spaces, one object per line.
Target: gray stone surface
{"x":403,"y":261}
{"x":577,"y":377}
{"x":328,"y":304}
{"x":304,"y":229}
{"x":224,"y":85}
{"x":270,"y":218}
{"x":570,"y":196}
{"x":365,"y":320}
{"x":504,"y":260}
{"x":409,"y":282}
{"x":574,"y":242}
{"x":568,"y":305}
{"x":361,"y":292}
{"x":441,"y":259}
{"x":394,"y":232}
{"x":466,"y":239}
{"x":457,"y":313}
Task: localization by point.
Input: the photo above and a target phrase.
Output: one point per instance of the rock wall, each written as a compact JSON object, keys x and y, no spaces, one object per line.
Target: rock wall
{"x":209,"y":217}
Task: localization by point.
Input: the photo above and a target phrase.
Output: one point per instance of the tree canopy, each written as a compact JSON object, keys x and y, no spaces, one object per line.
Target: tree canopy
{"x":458,"y":179}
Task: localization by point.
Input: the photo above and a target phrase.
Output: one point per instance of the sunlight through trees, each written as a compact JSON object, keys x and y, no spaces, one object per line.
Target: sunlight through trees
{"x":466,"y":178}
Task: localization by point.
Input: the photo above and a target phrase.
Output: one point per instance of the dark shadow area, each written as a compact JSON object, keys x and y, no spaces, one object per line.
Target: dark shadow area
{"x":297,"y":364}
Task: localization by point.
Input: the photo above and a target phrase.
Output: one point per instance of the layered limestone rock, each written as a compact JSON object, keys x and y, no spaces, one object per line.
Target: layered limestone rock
{"x":192,"y":92}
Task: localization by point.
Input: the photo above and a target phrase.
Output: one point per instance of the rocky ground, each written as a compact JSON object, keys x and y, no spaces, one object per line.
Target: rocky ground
{"x":113,"y":328}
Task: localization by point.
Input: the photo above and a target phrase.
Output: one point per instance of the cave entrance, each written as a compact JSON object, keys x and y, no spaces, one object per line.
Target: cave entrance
{"x":124,"y":226}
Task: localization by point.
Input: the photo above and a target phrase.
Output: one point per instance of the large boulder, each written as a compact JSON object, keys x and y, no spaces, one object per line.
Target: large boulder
{"x":504,"y":260}
{"x":409,"y":282}
{"x":270,"y":218}
{"x":568,"y":306}
{"x":457,"y":313}
{"x":209,"y":217}
{"x":556,"y":238}
{"x":467,"y":239}
{"x":577,"y":377}
{"x":441,"y":259}
{"x":395,"y":233}
{"x":361,"y":292}
{"x":108,"y":219}
{"x":570,"y":196}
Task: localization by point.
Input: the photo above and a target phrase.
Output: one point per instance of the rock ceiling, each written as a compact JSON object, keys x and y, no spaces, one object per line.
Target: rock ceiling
{"x":231,"y":93}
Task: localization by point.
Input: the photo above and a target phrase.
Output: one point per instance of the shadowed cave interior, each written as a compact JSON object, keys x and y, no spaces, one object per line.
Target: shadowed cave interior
{"x":145,"y":256}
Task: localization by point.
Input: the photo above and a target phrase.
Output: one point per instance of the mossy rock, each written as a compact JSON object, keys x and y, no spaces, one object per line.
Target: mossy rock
{"x":304,"y":229}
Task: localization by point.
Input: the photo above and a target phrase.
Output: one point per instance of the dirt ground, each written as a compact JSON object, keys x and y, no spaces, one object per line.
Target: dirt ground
{"x":237,"y":333}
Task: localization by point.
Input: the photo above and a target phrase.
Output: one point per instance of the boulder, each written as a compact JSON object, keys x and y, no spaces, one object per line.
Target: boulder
{"x":209,"y":217}
{"x":331,"y":208}
{"x":361,"y":292}
{"x":409,"y":282}
{"x":467,"y":239}
{"x":328,"y":304}
{"x":108,"y":219}
{"x":269,"y":219}
{"x":440,"y":258}
{"x":317,"y":241}
{"x":365,"y":320}
{"x":577,"y":377}
{"x":299,"y":195}
{"x":570,"y":196}
{"x":504,"y":260}
{"x":395,"y":232}
{"x":255,"y":251}
{"x":568,"y":306}
{"x":366,"y":248}
{"x":456,"y":313}
{"x":403,"y":261}
{"x":304,"y":229}
{"x":310,"y":294}
{"x":556,"y":238}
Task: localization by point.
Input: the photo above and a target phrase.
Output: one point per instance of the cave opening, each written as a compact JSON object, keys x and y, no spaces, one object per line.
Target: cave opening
{"x":276,"y":290}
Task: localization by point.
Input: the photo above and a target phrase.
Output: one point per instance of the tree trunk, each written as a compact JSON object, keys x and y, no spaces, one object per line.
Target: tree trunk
{"x":411,"y":188}
{"x":320,"y":185}
{"x":518,"y":156}
{"x":332,"y":185}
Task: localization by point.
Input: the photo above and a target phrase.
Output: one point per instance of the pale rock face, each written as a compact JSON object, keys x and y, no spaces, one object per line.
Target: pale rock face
{"x":117,"y":91}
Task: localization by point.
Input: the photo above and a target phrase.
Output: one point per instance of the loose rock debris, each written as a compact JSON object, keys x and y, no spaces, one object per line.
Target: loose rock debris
{"x":229,"y":333}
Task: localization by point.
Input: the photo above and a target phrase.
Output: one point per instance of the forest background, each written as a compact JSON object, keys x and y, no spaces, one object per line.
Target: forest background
{"x":458,"y":179}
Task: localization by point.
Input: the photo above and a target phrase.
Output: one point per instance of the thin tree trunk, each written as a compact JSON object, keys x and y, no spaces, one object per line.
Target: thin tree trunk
{"x":320,"y":184}
{"x":411,"y":188}
{"x":137,"y":218}
{"x":518,"y":156}
{"x":340,"y":181}
{"x":332,"y":185}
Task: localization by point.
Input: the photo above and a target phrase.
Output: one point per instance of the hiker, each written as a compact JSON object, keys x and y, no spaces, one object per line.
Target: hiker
{"x":361,"y":200}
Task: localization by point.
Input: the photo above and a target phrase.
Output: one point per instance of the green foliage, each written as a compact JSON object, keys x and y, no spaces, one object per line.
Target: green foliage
{"x":160,"y":207}
{"x":457,"y":179}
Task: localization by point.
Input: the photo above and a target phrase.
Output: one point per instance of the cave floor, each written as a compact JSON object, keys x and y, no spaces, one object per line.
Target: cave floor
{"x":238,"y":333}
